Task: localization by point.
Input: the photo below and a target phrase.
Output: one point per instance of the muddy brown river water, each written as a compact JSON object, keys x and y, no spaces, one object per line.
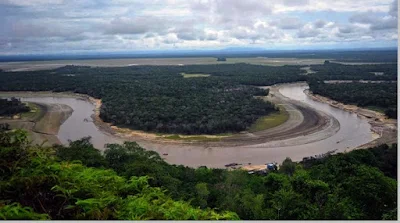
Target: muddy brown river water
{"x":353,"y":132}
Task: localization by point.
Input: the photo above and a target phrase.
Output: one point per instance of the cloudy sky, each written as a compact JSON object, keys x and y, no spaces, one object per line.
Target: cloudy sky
{"x":52,"y":26}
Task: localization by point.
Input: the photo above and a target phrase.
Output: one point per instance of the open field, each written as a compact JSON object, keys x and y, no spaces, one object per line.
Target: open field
{"x":194,"y":75}
{"x":308,"y":70}
{"x":270,"y":121}
{"x":35,"y":112}
{"x":43,"y":65}
{"x":192,"y":138}
{"x":377,"y":109}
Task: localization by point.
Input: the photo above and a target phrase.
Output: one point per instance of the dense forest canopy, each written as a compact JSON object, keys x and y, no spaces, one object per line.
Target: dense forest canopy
{"x":382,"y":95}
{"x":128,"y":182}
{"x":12,"y":106}
{"x":159,"y":99}
{"x":335,"y":71}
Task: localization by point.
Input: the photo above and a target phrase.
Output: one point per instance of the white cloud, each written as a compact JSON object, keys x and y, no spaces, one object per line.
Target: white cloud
{"x":30,"y":2}
{"x":288,"y":23}
{"x":40,"y":25}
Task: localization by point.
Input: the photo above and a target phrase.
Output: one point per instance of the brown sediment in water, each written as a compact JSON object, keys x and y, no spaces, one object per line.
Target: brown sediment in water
{"x":384,"y":129}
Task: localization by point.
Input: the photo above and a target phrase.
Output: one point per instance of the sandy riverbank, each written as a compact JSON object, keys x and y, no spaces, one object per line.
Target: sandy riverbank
{"x":44,"y":127}
{"x":303,"y":120}
{"x":384,"y":129}
{"x":204,"y":154}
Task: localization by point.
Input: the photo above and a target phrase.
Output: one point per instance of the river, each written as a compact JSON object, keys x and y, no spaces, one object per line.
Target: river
{"x":353,"y":132}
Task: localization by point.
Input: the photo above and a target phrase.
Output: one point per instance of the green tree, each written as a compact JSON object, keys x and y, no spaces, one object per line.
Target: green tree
{"x":83,"y":151}
{"x":288,"y":166}
{"x":202,"y":194}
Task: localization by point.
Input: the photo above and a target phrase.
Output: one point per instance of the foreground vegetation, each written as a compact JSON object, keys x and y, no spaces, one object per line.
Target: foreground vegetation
{"x":35,"y":185}
{"x":378,"y":95}
{"x":128,"y":182}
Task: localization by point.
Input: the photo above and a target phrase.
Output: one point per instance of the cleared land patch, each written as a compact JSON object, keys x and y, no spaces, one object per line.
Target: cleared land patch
{"x":185,"y":75}
{"x":192,"y":138}
{"x":270,"y":121}
{"x":35,"y":113}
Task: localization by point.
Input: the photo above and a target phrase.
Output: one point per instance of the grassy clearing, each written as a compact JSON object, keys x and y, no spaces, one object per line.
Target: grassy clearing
{"x":34,"y":114}
{"x":194,"y":75}
{"x":270,"y":121}
{"x":377,"y":109}
{"x":192,"y":138}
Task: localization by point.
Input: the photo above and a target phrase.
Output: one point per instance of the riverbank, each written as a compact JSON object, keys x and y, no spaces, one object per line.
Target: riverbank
{"x":297,"y":120}
{"x":42,"y":123}
{"x":301,"y":121}
{"x":319,"y":135}
{"x":126,"y":133}
{"x":384,"y":129}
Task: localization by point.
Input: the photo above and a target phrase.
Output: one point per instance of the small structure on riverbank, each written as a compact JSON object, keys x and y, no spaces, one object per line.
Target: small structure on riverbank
{"x":261,"y":169}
